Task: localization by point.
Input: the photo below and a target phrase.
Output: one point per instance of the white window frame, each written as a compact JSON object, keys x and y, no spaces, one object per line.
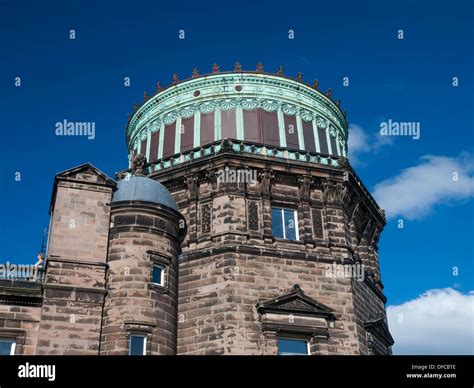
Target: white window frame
{"x":295,"y":215}
{"x":130,"y":344}
{"x":13,"y":345}
{"x":294,"y":339}
{"x":163,"y":274}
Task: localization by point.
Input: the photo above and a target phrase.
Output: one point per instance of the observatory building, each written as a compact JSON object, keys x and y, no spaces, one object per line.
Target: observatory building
{"x":238,"y":228}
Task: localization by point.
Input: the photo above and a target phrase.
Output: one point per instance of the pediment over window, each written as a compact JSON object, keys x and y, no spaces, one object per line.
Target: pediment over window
{"x":295,"y":302}
{"x":378,"y":328}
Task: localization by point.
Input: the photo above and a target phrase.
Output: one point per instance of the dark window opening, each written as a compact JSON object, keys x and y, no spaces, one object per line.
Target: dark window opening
{"x":169,"y":140}
{"x":291,"y":132}
{"x":187,"y":134}
{"x":308,"y":136}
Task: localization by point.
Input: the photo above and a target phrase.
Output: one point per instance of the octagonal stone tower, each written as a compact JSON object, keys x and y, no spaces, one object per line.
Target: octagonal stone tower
{"x":278,"y":219}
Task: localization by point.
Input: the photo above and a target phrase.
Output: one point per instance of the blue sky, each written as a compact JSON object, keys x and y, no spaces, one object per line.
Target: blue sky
{"x":403,"y":80}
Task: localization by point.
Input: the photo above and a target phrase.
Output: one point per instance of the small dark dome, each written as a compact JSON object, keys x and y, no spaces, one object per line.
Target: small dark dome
{"x":142,"y":188}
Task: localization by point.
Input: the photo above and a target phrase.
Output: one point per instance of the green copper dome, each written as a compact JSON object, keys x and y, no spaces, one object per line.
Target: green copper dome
{"x":262,"y":110}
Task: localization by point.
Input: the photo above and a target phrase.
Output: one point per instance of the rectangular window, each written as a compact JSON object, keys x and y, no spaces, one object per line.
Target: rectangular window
{"x":292,"y":347}
{"x":137,"y":345}
{"x":207,"y":127}
{"x":228,"y":124}
{"x":291,"y":132}
{"x":252,"y":125}
{"x":155,"y":137}
{"x":7,"y":347}
{"x":169,"y":140}
{"x":158,"y":275}
{"x":187,"y":133}
{"x":285,"y":223}
{"x":308,"y":136}
{"x":333,"y":145}
{"x":143,"y":147}
{"x":323,"y":141}
{"x":270,"y":130}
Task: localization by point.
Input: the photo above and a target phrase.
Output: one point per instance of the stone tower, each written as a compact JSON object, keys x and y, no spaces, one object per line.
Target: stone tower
{"x":141,"y":307}
{"x":76,"y":261}
{"x":278,"y":219}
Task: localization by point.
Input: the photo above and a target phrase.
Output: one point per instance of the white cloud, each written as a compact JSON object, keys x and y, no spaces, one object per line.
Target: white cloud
{"x":361,"y":142}
{"x":416,"y":190}
{"x":440,"y":321}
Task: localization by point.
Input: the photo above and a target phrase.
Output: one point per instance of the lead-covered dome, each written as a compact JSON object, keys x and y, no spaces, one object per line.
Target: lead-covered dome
{"x":142,"y":188}
{"x":190,"y":118}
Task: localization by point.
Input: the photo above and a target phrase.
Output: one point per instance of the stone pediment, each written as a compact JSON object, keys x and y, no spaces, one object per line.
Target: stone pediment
{"x":379,"y":329}
{"x":295,"y":302}
{"x":86,"y":173}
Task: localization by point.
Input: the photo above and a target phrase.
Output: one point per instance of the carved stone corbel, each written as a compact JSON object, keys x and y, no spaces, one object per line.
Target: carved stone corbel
{"x":191,"y":182}
{"x":305,"y":183}
{"x":265,"y":178}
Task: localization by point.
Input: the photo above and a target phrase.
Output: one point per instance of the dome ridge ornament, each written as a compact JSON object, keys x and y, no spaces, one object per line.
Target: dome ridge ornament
{"x":237,"y":66}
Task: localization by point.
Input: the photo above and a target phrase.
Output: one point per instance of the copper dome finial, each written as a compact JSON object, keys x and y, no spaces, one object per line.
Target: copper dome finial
{"x":260,"y":67}
{"x":237,"y":66}
{"x":329,"y":93}
{"x":280,"y":70}
{"x":159,"y":88}
{"x":175,"y":78}
{"x":195,"y":73}
{"x":316,"y":84}
{"x":299,"y":76}
{"x":135,"y":106}
{"x":215,"y":68}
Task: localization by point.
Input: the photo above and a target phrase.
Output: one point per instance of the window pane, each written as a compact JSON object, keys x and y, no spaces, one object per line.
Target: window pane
{"x":207,"y":128}
{"x":271,"y":133}
{"x":228,"y":124}
{"x":292,"y":347}
{"x":290,"y":224}
{"x":277,"y":223}
{"x":333,"y":145}
{"x":323,"y":141}
{"x":252,"y":126}
{"x":136,"y":345}
{"x":155,"y":138}
{"x":308,"y":136}
{"x":157,"y":275}
{"x":143,"y":147}
{"x":187,"y":133}
{"x":6,"y":347}
{"x":291,"y":132}
{"x":169,"y":140}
